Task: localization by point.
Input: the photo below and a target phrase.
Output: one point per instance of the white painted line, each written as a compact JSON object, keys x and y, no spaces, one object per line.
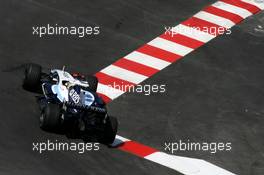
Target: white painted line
{"x":122,"y":138}
{"x":232,"y":9}
{"x":119,"y":140}
{"x":205,"y":168}
{"x":124,"y":74}
{"x":170,"y":46}
{"x":172,"y":162}
{"x":187,"y":166}
{"x":214,"y":19}
{"x":147,"y":60}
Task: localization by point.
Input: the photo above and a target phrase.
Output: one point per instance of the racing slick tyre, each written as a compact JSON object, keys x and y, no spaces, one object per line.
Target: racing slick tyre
{"x":110,"y":131}
{"x":32,"y":77}
{"x":93,"y":82}
{"x":51,"y":118}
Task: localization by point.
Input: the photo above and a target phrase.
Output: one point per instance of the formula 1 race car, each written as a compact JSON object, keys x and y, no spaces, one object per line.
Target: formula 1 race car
{"x":70,"y":105}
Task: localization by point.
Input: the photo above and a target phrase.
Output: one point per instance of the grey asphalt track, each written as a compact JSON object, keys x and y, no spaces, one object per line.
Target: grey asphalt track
{"x":214,"y":94}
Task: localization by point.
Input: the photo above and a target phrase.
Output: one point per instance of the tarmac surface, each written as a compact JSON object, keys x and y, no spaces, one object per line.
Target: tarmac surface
{"x":215,"y":94}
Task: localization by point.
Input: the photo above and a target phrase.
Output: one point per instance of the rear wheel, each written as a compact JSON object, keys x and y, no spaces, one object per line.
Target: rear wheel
{"x":93,"y":82}
{"x":32,"y":77}
{"x":110,"y":131}
{"x":51,"y":118}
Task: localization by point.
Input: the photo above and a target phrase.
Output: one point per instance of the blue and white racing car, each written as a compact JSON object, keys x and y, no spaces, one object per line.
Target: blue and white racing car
{"x":70,"y":105}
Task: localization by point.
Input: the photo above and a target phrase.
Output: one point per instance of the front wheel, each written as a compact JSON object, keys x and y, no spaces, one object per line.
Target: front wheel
{"x":32,"y":77}
{"x":51,"y":118}
{"x":110,"y":131}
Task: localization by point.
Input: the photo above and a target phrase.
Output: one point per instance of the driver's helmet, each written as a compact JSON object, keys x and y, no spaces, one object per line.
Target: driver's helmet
{"x":78,"y":76}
